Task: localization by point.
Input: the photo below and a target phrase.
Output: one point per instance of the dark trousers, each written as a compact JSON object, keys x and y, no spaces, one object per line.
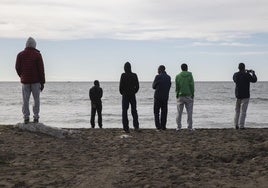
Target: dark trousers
{"x":126,"y":100}
{"x":160,"y":123}
{"x":96,"y":108}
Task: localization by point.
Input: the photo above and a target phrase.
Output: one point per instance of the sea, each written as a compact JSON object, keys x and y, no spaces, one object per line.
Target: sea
{"x":67,"y":105}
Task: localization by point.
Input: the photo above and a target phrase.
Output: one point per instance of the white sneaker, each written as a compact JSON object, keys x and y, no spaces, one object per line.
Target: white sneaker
{"x":178,"y":129}
{"x":191,"y":129}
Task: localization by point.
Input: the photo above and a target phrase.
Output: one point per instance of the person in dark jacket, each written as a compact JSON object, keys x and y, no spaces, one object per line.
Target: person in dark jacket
{"x":242,"y":81}
{"x":95,"y":95}
{"x":128,"y":87}
{"x":30,"y":68}
{"x":161,"y":84}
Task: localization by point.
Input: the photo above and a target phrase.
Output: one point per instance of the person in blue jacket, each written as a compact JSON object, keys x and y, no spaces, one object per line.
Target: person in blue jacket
{"x":161,"y":84}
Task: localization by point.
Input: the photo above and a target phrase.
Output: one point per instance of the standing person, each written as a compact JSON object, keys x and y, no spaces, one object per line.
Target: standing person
{"x":128,"y":87}
{"x":30,"y":68}
{"x":95,"y":95}
{"x":161,"y":84}
{"x":185,"y":95}
{"x":242,"y":81}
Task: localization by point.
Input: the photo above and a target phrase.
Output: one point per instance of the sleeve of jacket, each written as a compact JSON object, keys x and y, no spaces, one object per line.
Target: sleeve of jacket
{"x":192,"y":85}
{"x":155,"y":82}
{"x":41,"y":70}
{"x":177,"y":85}
{"x":169,"y":81}
{"x":18,"y":65}
{"x":121,"y":85}
{"x":90,"y":94}
{"x":137,"y":86}
{"x":101,"y":93}
{"x":253,"y":78}
{"x":234,"y":77}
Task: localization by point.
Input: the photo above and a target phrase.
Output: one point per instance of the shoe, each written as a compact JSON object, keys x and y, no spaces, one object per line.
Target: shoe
{"x":191,"y":129}
{"x":126,"y":131}
{"x":236,"y":127}
{"x":26,"y":121}
{"x":164,"y":128}
{"x":36,"y":120}
{"x":242,"y":128}
{"x":158,"y":130}
{"x":137,"y":130}
{"x":178,"y":129}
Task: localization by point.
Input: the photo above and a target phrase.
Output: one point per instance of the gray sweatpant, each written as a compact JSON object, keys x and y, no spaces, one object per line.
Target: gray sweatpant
{"x":188,"y":102}
{"x":27,"y":89}
{"x":241,"y":112}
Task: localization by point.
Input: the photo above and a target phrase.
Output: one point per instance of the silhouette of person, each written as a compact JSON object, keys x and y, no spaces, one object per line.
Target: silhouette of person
{"x":128,"y":87}
{"x":242,"y":80}
{"x":30,"y":68}
{"x":185,"y":95}
{"x":95,"y":95}
{"x":161,"y":84}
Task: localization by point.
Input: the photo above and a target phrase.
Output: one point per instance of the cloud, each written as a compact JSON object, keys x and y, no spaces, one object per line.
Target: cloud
{"x":233,"y":44}
{"x":134,"y":19}
{"x":241,"y":53}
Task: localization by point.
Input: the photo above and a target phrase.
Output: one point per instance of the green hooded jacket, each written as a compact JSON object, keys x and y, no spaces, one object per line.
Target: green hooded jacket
{"x":184,"y":84}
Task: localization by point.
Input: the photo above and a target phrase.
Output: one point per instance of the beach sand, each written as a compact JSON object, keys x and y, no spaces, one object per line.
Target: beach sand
{"x":105,"y":158}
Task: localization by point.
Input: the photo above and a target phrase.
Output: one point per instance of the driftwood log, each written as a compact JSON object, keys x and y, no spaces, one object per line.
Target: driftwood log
{"x":42,"y":128}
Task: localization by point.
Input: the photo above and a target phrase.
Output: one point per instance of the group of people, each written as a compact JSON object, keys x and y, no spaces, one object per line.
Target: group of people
{"x":184,"y":82}
{"x":30,"y":68}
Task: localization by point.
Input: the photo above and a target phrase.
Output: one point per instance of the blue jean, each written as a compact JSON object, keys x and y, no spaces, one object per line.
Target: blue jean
{"x":241,"y":112}
{"x":126,"y":100}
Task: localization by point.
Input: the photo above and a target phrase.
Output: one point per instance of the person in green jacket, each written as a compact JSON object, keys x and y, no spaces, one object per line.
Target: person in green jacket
{"x":185,"y":96}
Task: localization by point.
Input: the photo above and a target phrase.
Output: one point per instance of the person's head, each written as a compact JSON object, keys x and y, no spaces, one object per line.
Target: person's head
{"x":127,"y":67}
{"x":30,"y":43}
{"x":241,"y":67}
{"x":96,"y":83}
{"x":184,"y":67}
{"x":161,"y":69}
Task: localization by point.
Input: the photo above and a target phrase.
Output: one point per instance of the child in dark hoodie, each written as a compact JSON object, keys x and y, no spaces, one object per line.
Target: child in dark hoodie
{"x":129,"y":86}
{"x":95,"y":95}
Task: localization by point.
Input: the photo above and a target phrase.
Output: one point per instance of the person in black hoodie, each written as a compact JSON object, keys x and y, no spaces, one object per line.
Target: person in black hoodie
{"x":242,"y":80}
{"x":95,"y":95}
{"x":128,"y":87}
{"x":161,"y":84}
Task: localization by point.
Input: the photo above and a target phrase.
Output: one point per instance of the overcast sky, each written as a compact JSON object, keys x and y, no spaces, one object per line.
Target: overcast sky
{"x":87,"y":40}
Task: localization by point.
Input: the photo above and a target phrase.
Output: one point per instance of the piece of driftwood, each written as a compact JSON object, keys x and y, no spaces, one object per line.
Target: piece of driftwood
{"x":42,"y":128}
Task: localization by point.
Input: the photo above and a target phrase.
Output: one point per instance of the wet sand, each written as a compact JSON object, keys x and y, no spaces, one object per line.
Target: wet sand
{"x":102,"y":158}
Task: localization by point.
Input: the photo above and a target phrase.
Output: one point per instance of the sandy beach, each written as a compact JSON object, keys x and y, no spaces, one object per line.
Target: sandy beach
{"x":107,"y":158}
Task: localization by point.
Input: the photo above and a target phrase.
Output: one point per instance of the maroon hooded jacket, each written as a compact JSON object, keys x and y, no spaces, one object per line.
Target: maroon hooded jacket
{"x":30,"y":67}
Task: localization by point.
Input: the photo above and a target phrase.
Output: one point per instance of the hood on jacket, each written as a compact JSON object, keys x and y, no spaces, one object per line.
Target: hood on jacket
{"x":185,"y":73}
{"x":30,"y":43}
{"x":127,"y":67}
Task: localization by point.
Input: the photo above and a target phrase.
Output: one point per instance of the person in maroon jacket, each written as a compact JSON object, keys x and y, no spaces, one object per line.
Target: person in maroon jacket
{"x":30,"y":68}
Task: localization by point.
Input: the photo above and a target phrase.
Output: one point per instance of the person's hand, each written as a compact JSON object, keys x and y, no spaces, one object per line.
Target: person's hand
{"x":42,"y":87}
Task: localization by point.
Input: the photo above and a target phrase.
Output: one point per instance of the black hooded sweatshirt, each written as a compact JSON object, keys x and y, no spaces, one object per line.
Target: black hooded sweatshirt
{"x":129,"y":83}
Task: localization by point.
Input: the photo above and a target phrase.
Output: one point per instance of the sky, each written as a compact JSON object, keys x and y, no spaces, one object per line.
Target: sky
{"x":88,"y":40}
